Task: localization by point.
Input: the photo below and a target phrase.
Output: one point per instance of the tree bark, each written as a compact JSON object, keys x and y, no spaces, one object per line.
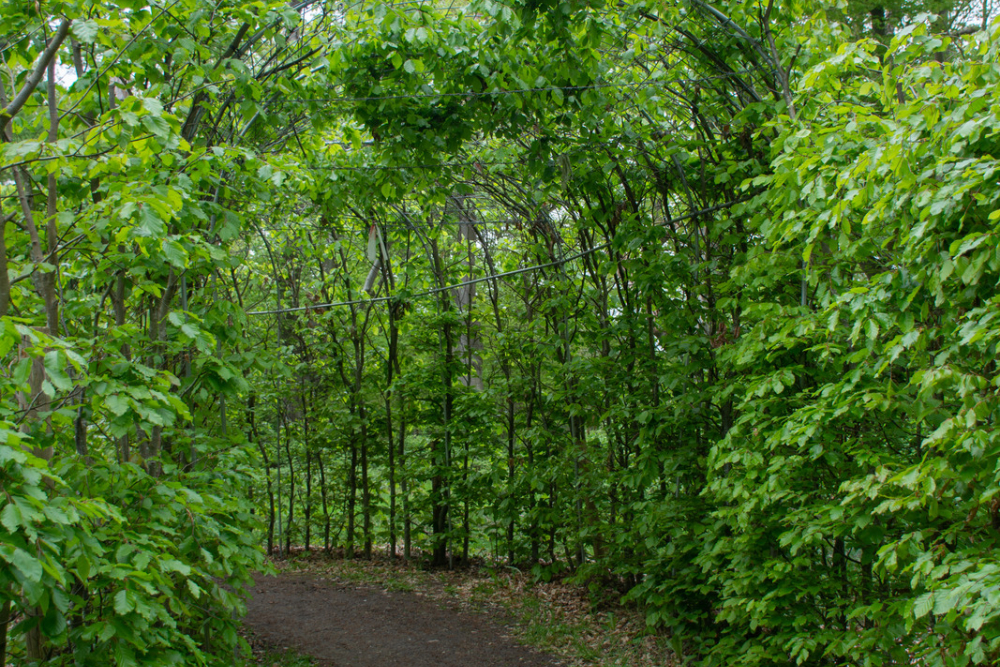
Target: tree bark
{"x":352,"y":492}
{"x":31,"y":83}
{"x":4,"y":622}
{"x":326,"y":511}
{"x":4,"y":279}
{"x":291,"y":494}
{"x":308,"y":503}
{"x":308,"y":500}
{"x":254,"y":430}
{"x":442,"y":457}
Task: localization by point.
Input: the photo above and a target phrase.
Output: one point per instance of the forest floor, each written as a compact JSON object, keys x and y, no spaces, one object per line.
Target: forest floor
{"x":336,"y":612}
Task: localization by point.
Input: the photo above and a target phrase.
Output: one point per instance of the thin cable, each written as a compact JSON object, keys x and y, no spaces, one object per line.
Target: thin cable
{"x":518,"y":91}
{"x":557,"y":141}
{"x":389,"y":167}
{"x":476,"y":164}
{"x":496,"y":276}
{"x":434,"y":290}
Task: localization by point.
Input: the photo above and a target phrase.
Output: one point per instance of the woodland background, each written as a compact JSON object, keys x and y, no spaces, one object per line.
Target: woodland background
{"x":695,"y":303}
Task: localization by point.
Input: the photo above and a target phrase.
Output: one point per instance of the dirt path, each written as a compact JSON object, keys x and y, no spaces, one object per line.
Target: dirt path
{"x":345,"y":625}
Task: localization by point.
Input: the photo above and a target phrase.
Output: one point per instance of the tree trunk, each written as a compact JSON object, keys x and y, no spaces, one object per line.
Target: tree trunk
{"x":392,"y":476}
{"x":4,"y":279}
{"x":277,"y":465}
{"x":254,"y":431}
{"x":291,"y":494}
{"x":308,"y":505}
{"x":307,"y":444}
{"x":4,"y":621}
{"x":352,"y":492}
{"x":326,"y":511}
{"x":366,"y":502}
{"x":511,"y":441}
{"x":366,"y":515}
{"x":403,"y":484}
{"x":442,"y":459}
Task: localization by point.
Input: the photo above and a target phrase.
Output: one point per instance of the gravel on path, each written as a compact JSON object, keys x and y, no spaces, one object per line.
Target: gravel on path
{"x":346,"y":625}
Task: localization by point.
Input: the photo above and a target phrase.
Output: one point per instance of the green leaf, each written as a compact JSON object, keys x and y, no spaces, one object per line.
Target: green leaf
{"x":10,"y":517}
{"x":55,"y":514}
{"x":55,"y":369}
{"x":970,"y":242}
{"x":871,"y":328}
{"x":123,"y":603}
{"x":29,"y":566}
{"x":923,"y":605}
{"x":157,"y":125}
{"x":117,"y":403}
{"x":149,"y":223}
{"x":152,"y":106}
{"x":175,"y":253}
{"x":173,"y":565}
{"x":84,"y":30}
{"x":945,"y":601}
{"x":53,"y":623}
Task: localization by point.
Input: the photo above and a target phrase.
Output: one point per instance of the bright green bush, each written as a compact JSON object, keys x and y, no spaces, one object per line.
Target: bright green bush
{"x":859,"y":487}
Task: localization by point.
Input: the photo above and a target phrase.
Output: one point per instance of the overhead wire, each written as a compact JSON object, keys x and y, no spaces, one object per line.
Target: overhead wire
{"x":519,"y":91}
{"x":568,"y":142}
{"x":495,"y":276}
{"x":435,"y":290}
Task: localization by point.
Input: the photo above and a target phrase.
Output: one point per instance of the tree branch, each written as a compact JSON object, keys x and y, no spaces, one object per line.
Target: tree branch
{"x":35,"y":78}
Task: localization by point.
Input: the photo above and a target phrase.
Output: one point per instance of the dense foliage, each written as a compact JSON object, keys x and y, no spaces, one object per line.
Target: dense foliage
{"x":697,"y":304}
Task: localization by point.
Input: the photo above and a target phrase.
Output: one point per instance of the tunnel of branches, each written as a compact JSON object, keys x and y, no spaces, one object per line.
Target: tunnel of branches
{"x":695,"y":304}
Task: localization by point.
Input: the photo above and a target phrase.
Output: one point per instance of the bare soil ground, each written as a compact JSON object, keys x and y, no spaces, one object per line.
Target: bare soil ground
{"x":350,"y":625}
